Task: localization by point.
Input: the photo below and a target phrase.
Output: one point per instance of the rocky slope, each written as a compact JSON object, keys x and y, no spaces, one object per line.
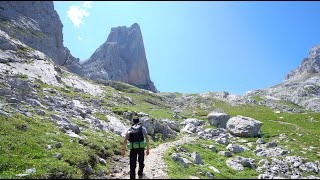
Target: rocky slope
{"x":39,"y":99}
{"x":121,"y":58}
{"x":301,"y":86}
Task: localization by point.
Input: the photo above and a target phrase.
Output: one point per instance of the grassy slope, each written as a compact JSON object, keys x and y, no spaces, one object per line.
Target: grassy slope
{"x":294,"y":124}
{"x":24,"y":149}
{"x":34,"y":140}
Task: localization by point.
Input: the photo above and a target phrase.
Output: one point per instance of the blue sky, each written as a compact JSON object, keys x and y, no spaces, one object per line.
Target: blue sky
{"x":195,"y":47}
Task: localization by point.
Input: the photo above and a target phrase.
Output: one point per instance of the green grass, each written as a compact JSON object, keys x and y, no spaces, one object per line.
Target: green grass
{"x":23,"y":149}
{"x":257,"y":98}
{"x":209,"y":158}
{"x":23,"y":76}
{"x":101,"y":116}
{"x":209,"y":127}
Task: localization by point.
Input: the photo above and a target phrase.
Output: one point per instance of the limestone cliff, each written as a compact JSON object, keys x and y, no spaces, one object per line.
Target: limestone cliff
{"x":37,"y":24}
{"x":122,"y":58}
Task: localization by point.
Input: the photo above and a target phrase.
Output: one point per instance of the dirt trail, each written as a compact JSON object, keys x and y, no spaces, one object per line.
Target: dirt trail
{"x":155,"y":167}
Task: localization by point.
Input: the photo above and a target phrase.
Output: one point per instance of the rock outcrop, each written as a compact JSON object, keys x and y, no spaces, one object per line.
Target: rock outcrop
{"x":121,"y":58}
{"x":218,"y":119}
{"x":244,"y":126}
{"x":309,"y":66}
{"x":37,"y":24}
{"x":300,"y":90}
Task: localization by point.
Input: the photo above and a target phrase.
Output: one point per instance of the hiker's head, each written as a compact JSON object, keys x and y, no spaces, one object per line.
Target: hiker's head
{"x":135,"y":120}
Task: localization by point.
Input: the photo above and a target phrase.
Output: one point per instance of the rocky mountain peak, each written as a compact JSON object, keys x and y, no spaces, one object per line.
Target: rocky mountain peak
{"x":122,"y":58}
{"x":314,"y":52}
{"x":309,"y":66}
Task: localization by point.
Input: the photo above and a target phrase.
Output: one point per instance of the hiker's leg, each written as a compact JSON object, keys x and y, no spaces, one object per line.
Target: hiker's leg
{"x":133,"y":163}
{"x":141,"y":161}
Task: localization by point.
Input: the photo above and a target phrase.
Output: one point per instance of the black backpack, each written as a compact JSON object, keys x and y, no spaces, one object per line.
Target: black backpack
{"x":135,"y":133}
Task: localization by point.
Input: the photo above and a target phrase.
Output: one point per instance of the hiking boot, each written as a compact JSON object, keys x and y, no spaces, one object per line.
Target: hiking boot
{"x":140,"y":176}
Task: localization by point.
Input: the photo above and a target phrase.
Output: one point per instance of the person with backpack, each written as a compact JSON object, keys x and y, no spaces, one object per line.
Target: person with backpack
{"x":138,"y":140}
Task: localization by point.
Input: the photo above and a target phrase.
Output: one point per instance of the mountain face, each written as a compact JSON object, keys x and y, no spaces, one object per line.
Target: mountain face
{"x":122,"y":58}
{"x":300,"y":87}
{"x":37,"y":24}
{"x":309,"y":66}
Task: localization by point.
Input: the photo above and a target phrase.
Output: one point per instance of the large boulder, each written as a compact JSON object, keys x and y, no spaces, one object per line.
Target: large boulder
{"x":147,"y":122}
{"x":190,"y":128}
{"x":218,"y":119}
{"x":196,"y":158}
{"x":243,"y":126}
{"x":235,"y":148}
{"x":182,"y":161}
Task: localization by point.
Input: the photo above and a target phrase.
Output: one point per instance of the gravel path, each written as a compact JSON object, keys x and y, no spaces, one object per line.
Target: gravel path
{"x":155,"y":167}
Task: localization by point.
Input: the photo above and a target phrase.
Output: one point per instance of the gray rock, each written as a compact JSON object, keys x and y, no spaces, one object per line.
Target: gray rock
{"x":49,"y":147}
{"x":312,"y":167}
{"x":260,"y":141}
{"x":222,"y":140}
{"x":75,"y":128}
{"x":209,"y":175}
{"x":225,"y":153}
{"x":14,"y":100}
{"x":101,"y":172}
{"x":312,"y":177}
{"x":2,"y":113}
{"x":192,"y":121}
{"x":88,"y":170}
{"x":58,"y":156}
{"x":174,"y":125}
{"x":59,"y":145}
{"x":243,"y":126}
{"x":103,"y":161}
{"x":247,"y":162}
{"x":32,"y":170}
{"x":196,"y":158}
{"x":265,"y":176}
{"x":127,"y":115}
{"x":56,"y":117}
{"x":189,"y":128}
{"x":214,"y":169}
{"x":271,"y":144}
{"x":234,"y":164}
{"x":212,"y":148}
{"x":41,"y":112}
{"x":182,"y":161}
{"x":147,"y":122}
{"x":257,"y":150}
{"x":235,"y":148}
{"x":218,"y":119}
{"x":295,"y":177}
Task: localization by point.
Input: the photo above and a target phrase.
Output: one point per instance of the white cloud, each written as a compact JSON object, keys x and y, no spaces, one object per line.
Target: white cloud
{"x":87,"y":4}
{"x":79,"y":38}
{"x":76,"y":15}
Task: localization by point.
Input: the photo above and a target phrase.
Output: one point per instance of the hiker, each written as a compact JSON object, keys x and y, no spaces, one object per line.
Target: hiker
{"x":138,"y":140}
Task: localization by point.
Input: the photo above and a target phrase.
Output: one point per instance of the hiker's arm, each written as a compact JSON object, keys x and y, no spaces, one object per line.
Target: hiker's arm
{"x":148,"y":144}
{"x":124,"y":145}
